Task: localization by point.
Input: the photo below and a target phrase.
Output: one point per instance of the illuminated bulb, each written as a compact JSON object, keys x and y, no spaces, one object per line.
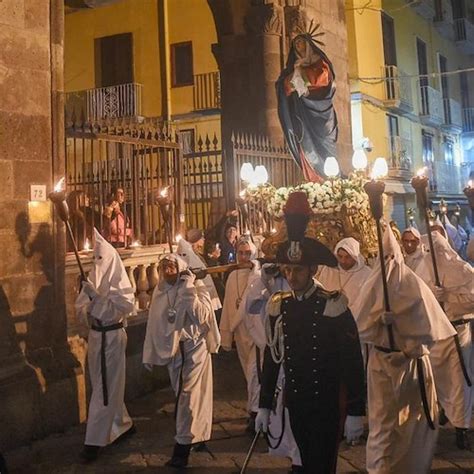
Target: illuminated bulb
{"x":60,"y":185}
{"x":261,"y":175}
{"x":135,"y":243}
{"x":164,"y":192}
{"x":178,"y":238}
{"x":331,"y":167}
{"x":359,"y":160}
{"x":273,"y":231}
{"x":87,"y":245}
{"x":247,"y":232}
{"x":380,"y":168}
{"x":422,"y":171}
{"x":247,"y":172}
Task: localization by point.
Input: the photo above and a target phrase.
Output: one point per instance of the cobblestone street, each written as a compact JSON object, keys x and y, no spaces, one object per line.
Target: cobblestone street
{"x":150,"y":448}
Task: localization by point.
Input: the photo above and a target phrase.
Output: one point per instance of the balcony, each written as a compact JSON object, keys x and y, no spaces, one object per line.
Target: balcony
{"x":424,"y":8}
{"x":398,"y":92}
{"x":464,"y":35}
{"x":431,"y":106}
{"x":452,"y":116}
{"x":443,"y":20}
{"x":123,"y":100}
{"x":399,"y":158}
{"x":468,"y":120}
{"x":207,"y":91}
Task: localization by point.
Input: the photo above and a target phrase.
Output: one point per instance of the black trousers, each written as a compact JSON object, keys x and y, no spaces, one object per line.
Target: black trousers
{"x":317,"y":434}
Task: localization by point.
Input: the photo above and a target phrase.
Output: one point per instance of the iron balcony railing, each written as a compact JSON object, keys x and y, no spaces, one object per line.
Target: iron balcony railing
{"x":398,"y":92}
{"x":123,"y":100}
{"x":207,"y":91}
{"x":452,"y":113}
{"x":431,"y":107}
{"x":468,"y":119}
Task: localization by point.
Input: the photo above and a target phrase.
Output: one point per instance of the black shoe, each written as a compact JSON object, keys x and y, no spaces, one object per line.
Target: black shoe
{"x":462,"y":439}
{"x":200,"y":448}
{"x":180,"y":456}
{"x":131,"y":431}
{"x":90,"y":453}
{"x":443,"y":419}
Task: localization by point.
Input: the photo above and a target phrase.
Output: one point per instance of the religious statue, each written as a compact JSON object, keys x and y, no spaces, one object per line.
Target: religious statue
{"x":305,"y":91}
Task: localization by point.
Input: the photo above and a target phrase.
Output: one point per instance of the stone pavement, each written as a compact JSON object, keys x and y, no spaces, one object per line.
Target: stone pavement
{"x":150,"y":448}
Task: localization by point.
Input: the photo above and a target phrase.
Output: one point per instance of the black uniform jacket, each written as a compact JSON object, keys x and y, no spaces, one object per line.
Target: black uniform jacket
{"x":322,"y":358}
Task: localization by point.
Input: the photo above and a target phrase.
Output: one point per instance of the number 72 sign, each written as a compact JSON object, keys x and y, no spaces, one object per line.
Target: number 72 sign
{"x":37,"y":192}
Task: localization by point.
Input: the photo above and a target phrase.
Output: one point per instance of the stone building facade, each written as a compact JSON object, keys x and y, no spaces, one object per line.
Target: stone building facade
{"x":42,"y":353}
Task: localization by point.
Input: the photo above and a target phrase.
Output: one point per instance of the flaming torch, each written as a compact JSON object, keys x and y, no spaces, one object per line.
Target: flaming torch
{"x":58,"y":197}
{"x":164,"y":200}
{"x":375,"y":189}
{"x":420,"y":184}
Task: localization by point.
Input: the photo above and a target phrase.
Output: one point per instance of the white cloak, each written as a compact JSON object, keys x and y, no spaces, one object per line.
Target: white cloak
{"x":191,"y":336}
{"x":114,"y":300}
{"x":233,"y":328}
{"x":400,"y":439}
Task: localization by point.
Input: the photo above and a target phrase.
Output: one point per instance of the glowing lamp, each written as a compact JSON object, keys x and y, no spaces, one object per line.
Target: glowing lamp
{"x":331,"y":167}
{"x":260,"y":175}
{"x":380,"y":168}
{"x":247,"y":172}
{"x":359,"y":160}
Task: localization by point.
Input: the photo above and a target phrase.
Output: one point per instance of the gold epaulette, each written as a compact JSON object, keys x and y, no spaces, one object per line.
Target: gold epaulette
{"x":327,"y":295}
{"x":274,"y":304}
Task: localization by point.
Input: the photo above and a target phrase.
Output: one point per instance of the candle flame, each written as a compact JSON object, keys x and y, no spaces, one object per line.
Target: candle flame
{"x":273,"y":231}
{"x":87,"y":245}
{"x":470,"y":184}
{"x":135,"y":243}
{"x":60,"y":185}
{"x":178,"y":238}
{"x":422,"y":171}
{"x":164,"y":192}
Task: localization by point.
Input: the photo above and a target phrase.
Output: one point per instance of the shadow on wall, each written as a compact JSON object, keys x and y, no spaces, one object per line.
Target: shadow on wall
{"x":40,"y":395}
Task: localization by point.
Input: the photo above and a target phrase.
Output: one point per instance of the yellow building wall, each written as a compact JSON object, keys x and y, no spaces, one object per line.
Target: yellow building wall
{"x":138,"y":17}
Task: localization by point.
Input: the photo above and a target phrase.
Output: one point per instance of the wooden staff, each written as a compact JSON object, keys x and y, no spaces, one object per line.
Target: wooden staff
{"x":375,"y":190}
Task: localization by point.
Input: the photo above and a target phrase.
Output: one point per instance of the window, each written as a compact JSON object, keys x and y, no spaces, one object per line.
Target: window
{"x":464,"y":90}
{"x":114,"y":60}
{"x":428,"y":158}
{"x":389,"y":46}
{"x":443,"y":67}
{"x":182,"y":64}
{"x":422,"y":61}
{"x":448,"y":143}
{"x":459,"y":10}
{"x":187,"y":140}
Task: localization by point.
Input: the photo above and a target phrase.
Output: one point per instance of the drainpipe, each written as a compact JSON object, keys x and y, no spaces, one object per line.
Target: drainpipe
{"x":164,"y":47}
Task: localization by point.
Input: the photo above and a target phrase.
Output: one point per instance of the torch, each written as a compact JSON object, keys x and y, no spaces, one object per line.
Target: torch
{"x":163,"y":199}
{"x":243,"y":209}
{"x":375,"y":189}
{"x":58,"y":197}
{"x":420,"y":184}
{"x":469,"y":192}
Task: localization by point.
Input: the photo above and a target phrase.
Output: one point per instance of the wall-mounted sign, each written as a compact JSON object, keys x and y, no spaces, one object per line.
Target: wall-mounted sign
{"x":38,"y":192}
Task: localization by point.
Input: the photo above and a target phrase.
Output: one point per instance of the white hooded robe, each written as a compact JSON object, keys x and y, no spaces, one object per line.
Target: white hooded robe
{"x":456,"y":276}
{"x":400,"y":440}
{"x":185,"y":346}
{"x":115,"y":299}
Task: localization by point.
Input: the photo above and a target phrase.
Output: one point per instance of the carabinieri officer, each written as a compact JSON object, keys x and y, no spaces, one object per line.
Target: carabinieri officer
{"x":312,"y":332}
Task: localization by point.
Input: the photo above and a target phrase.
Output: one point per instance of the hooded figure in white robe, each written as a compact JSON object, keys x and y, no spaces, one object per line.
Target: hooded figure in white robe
{"x":106,"y":298}
{"x":187,"y":253}
{"x":400,"y":438}
{"x":457,"y":296}
{"x":182,"y":333}
{"x":232,"y":323}
{"x":257,"y":297}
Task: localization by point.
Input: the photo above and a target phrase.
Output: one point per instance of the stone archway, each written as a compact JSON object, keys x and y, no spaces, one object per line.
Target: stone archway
{"x":251,"y":51}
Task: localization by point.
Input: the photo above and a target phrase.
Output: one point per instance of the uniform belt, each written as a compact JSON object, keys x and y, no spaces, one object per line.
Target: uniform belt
{"x":103,"y":362}
{"x":386,"y":349}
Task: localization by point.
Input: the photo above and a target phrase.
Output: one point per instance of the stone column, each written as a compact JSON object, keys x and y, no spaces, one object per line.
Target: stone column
{"x":37,"y":373}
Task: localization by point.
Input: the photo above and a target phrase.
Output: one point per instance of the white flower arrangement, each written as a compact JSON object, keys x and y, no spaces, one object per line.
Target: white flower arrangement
{"x":326,"y":198}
